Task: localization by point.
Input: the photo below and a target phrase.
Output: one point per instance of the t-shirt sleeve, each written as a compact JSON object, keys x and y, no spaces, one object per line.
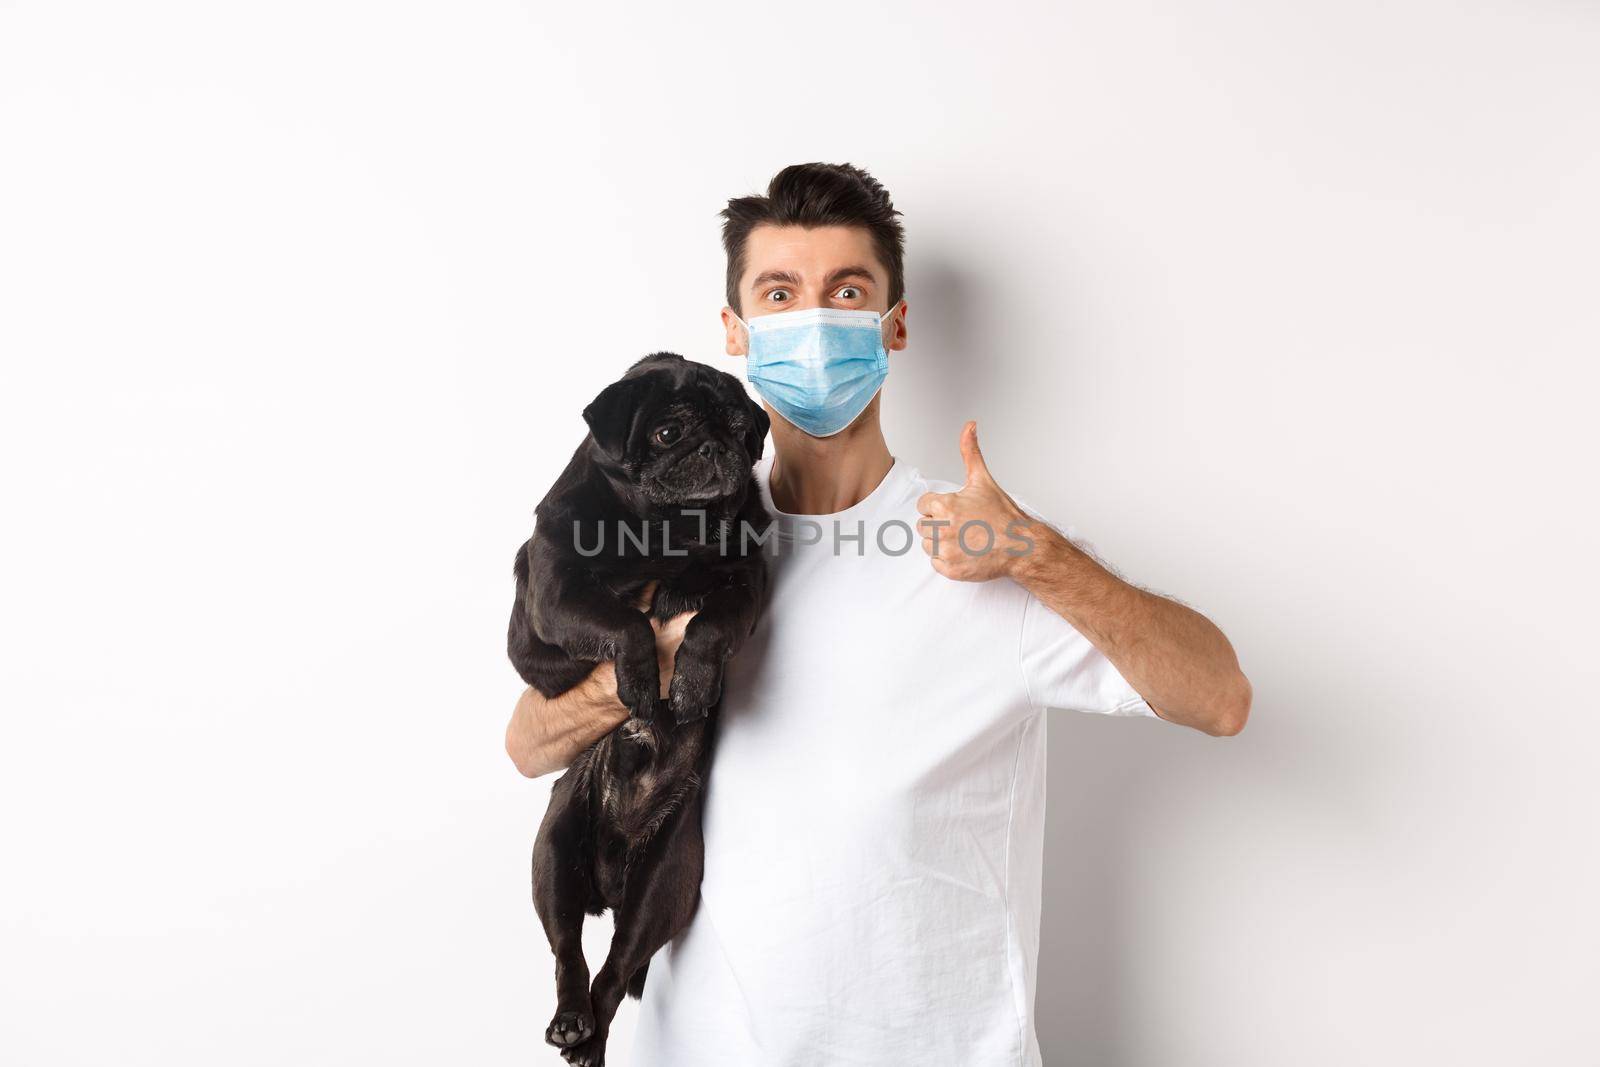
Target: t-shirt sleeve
{"x":1060,"y":668}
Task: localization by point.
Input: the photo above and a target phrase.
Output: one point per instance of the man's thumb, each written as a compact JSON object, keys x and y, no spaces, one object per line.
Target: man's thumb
{"x":977,"y":469}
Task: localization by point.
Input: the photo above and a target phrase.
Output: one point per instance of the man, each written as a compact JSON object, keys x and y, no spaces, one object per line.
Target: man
{"x":874,"y":822}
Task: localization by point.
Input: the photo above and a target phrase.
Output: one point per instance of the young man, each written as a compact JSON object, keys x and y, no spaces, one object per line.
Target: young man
{"x":874,"y":825}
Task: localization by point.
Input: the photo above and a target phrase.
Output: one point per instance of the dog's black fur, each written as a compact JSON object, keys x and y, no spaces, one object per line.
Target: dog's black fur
{"x":670,"y":448}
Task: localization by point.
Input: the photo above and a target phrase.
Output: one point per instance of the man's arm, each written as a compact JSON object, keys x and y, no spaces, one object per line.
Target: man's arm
{"x":1174,"y":657}
{"x":547,"y":733}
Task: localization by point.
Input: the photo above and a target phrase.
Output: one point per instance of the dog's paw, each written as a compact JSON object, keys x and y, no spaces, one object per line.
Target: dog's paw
{"x":687,"y":715}
{"x":568,"y":1028}
{"x":639,"y":687}
{"x":591,"y":1053}
{"x":696,"y":685}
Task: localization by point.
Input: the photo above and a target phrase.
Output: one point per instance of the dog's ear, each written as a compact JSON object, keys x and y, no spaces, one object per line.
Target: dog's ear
{"x":610,"y":415}
{"x":755,"y":437}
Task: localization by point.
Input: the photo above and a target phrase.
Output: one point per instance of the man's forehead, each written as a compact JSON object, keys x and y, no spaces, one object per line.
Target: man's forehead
{"x":810,"y":253}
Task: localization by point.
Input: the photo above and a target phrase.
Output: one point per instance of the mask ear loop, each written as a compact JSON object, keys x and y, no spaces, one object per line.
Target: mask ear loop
{"x":885,"y":317}
{"x":747,"y":333}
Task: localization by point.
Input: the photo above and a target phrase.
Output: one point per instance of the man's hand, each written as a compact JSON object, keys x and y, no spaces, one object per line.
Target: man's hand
{"x":547,"y":734}
{"x":978,"y":532}
{"x":1173,"y":656}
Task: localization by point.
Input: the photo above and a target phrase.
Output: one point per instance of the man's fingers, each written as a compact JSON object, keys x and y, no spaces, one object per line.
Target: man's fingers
{"x":674,"y":627}
{"x":936,"y":504}
{"x":977,"y":469}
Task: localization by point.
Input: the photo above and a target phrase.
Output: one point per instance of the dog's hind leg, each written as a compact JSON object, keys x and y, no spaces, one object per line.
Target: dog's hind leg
{"x":662,"y":894}
{"x":561,"y":889}
{"x":636,"y":983}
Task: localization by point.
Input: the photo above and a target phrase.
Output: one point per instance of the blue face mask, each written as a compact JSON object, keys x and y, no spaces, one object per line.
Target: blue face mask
{"x":818,"y":367}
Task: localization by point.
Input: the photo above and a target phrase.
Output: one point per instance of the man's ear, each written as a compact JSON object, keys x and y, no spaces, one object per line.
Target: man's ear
{"x":737,"y":339}
{"x":755,"y":437}
{"x":610,"y":415}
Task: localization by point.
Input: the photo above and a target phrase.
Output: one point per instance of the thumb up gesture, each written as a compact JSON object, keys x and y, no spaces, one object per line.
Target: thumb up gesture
{"x":977,"y":532}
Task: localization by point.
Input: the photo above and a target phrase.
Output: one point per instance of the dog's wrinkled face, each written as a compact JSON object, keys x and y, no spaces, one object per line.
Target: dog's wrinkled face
{"x":678,"y":433}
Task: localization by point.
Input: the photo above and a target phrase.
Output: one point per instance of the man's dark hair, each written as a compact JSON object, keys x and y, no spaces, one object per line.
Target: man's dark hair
{"x":811,"y":195}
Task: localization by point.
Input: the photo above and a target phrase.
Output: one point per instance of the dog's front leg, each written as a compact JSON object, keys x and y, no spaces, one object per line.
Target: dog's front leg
{"x":715,"y":633}
{"x":589,"y":623}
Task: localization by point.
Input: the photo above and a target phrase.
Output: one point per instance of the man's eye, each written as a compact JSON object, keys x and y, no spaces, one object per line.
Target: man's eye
{"x":666,"y":435}
{"x":778,"y":296}
{"x":849,"y":292}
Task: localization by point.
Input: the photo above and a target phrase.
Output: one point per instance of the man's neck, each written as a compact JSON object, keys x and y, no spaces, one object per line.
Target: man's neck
{"x":823,"y":475}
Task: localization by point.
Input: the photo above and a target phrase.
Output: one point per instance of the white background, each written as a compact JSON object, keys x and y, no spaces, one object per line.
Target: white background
{"x":1290,"y":308}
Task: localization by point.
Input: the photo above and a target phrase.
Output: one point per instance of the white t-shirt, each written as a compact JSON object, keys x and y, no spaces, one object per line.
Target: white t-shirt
{"x":874,"y":819}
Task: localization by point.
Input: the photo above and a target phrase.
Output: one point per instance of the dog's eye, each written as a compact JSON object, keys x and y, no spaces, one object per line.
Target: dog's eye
{"x":666,"y":435}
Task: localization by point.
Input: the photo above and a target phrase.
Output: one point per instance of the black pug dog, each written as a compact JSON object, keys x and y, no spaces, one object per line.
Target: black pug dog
{"x":660,"y":491}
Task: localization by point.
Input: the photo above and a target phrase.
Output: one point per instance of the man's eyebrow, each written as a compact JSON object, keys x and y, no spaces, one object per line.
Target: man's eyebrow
{"x":850,"y":272}
{"x":786,"y":277}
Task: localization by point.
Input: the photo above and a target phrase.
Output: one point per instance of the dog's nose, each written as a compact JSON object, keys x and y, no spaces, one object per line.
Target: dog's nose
{"x":709,"y":449}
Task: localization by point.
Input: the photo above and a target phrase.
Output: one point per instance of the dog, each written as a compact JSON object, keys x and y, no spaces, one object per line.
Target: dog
{"x":661,"y":490}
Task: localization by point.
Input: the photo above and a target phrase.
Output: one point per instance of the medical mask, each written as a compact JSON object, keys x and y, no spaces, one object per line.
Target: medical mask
{"x":818,"y":367}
